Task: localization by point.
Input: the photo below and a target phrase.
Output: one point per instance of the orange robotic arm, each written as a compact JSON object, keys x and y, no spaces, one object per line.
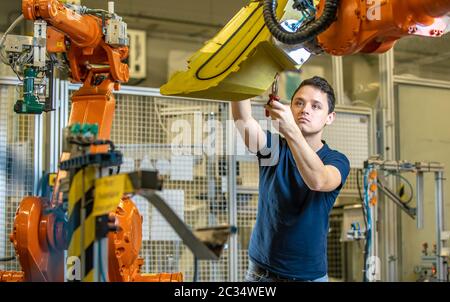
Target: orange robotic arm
{"x":242,"y":59}
{"x":39,"y":232}
{"x":345,"y":27}
{"x":375,"y":28}
{"x":84,"y":32}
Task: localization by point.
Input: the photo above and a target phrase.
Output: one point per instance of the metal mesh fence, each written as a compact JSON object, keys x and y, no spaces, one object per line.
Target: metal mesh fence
{"x":247,"y":180}
{"x":17,"y":167}
{"x":335,"y":247}
{"x":147,"y":129}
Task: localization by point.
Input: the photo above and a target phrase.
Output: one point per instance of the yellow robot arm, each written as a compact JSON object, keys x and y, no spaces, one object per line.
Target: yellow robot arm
{"x":241,"y":61}
{"x":236,"y":64}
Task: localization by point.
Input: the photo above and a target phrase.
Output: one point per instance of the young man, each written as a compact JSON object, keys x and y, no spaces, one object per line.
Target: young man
{"x":297,"y":190}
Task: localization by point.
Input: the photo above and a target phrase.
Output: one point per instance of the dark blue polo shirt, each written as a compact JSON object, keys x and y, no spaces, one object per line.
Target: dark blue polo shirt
{"x":290,"y":234}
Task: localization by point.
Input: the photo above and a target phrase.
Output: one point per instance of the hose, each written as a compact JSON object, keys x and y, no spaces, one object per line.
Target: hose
{"x":3,"y":39}
{"x":368,"y":233}
{"x":303,"y":34}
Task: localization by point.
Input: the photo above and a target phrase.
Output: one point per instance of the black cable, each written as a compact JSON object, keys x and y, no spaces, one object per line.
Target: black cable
{"x":95,"y":143}
{"x":7,"y":259}
{"x":206,"y":78}
{"x":105,"y":142}
{"x":366,"y":233}
{"x":303,"y":34}
{"x":358,"y":175}
{"x":411,"y":189}
{"x":195,"y":277}
{"x":100,"y":266}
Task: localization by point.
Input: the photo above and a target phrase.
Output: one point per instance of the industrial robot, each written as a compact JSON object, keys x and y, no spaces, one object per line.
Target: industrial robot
{"x":270,"y":36}
{"x":264,"y":38}
{"x":93,"y":43}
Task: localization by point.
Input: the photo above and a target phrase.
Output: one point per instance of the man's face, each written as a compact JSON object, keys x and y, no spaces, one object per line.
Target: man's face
{"x":309,"y":107}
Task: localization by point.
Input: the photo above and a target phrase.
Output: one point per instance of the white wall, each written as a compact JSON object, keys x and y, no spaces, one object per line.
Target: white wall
{"x":424,"y":136}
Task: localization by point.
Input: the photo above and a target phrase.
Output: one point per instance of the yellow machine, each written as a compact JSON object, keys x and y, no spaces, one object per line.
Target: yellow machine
{"x":242,"y":60}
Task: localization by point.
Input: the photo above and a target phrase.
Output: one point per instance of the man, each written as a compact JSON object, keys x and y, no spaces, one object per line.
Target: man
{"x":297,"y":190}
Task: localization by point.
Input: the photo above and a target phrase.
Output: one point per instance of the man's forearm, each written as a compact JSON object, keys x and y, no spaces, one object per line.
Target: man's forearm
{"x":309,"y":164}
{"x":242,"y":110}
{"x":249,"y":129}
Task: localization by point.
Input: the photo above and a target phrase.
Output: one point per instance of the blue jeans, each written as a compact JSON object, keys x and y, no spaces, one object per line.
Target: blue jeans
{"x":255,"y":273}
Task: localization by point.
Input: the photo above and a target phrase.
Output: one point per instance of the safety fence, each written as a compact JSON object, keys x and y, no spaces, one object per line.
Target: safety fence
{"x":205,"y":184}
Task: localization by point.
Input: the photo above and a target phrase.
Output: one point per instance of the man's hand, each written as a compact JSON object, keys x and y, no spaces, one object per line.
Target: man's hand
{"x":282,"y":114}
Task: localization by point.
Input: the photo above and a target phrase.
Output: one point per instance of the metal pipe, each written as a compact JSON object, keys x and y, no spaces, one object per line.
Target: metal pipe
{"x":100,"y":257}
{"x":338,"y":79}
{"x":387,"y":147}
{"x":391,"y":195}
{"x":419,"y":200}
{"x":111,"y":7}
{"x":232,"y":199}
{"x":374,"y":255}
{"x":440,"y":265}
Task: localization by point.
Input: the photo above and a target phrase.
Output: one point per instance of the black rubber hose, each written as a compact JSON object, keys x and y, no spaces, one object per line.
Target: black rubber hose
{"x":307,"y":33}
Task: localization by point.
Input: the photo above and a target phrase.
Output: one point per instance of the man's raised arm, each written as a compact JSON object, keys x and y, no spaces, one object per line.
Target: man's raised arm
{"x":251,"y":132}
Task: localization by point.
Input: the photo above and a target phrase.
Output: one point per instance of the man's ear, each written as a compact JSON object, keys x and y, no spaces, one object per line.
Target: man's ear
{"x":330,"y":118}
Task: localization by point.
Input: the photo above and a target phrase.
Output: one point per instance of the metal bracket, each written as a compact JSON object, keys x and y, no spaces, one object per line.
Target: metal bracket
{"x":445,"y":235}
{"x":411,"y":212}
{"x":205,"y":243}
{"x":16,"y":43}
